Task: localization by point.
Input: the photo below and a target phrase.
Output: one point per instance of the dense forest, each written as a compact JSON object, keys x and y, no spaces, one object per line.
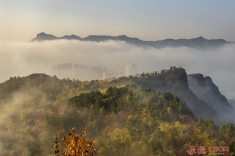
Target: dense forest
{"x":148,"y":114}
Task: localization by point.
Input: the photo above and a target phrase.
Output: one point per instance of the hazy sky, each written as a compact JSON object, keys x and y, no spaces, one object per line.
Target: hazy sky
{"x":21,"y":20}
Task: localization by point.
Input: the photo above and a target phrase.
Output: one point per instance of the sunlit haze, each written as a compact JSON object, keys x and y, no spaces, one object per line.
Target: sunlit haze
{"x":151,"y":20}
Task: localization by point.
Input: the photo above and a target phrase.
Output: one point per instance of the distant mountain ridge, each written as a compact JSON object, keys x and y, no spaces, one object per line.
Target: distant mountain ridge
{"x":198,"y":42}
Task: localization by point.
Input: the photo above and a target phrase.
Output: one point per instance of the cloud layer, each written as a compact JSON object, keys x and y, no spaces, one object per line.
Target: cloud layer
{"x":22,"y":59}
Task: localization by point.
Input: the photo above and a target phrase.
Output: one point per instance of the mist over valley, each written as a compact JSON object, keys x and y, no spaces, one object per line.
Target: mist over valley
{"x":22,"y":59}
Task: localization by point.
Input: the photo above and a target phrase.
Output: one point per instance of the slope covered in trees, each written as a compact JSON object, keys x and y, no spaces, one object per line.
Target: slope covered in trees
{"x":149,"y":114}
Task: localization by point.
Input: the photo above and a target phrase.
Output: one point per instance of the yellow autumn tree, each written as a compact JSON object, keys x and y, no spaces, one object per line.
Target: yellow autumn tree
{"x":76,"y":145}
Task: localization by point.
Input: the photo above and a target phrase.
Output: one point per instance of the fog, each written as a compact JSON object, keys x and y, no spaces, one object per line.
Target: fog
{"x":22,"y":59}
{"x":23,"y":119}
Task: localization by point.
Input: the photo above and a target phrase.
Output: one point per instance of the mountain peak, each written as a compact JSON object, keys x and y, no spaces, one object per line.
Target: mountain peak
{"x":123,"y":36}
{"x":43,"y":36}
{"x":71,"y":37}
{"x":42,"y":33}
{"x":201,"y":38}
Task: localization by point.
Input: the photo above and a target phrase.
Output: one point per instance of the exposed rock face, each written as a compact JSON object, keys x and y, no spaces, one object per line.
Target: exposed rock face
{"x":206,"y":90}
{"x":200,"y":94}
{"x":175,"y":81}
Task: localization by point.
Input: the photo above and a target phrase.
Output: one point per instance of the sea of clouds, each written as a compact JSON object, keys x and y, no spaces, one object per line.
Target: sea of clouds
{"x":22,"y":59}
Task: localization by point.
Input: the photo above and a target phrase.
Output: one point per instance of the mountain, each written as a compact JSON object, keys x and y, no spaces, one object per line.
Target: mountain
{"x":200,"y":94}
{"x":199,"y":42}
{"x":42,"y":36}
{"x":232,"y":102}
{"x":206,"y":90}
{"x":147,"y":114}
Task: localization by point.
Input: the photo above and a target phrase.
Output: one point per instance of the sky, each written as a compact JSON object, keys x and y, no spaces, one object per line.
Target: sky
{"x":147,"y":20}
{"x":21,"y":21}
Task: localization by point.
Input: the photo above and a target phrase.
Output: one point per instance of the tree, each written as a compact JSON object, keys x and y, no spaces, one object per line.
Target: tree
{"x":77,"y":145}
{"x":228,"y":130}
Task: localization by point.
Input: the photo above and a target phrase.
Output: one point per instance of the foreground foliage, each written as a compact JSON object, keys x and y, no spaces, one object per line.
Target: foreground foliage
{"x":76,"y":145}
{"x":123,"y":119}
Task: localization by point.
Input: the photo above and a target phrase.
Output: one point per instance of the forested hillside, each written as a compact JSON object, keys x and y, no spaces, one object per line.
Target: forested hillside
{"x":147,"y":114}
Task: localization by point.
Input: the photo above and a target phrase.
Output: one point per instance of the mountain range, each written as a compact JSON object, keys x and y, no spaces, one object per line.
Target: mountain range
{"x":199,"y":42}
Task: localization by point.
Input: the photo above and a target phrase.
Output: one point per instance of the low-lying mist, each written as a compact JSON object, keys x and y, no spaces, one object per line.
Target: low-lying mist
{"x":21,"y":59}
